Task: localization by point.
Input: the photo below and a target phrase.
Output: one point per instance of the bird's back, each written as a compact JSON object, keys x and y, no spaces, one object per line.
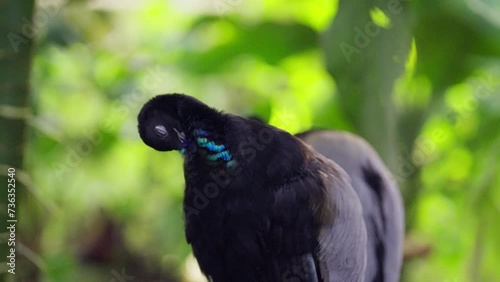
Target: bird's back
{"x":379,"y":196}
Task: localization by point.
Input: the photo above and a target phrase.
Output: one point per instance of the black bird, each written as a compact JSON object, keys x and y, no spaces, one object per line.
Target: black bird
{"x":260,"y":205}
{"x":379,"y":195}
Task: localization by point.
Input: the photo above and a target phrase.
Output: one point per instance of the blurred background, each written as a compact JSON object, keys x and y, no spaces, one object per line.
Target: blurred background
{"x":418,"y":79}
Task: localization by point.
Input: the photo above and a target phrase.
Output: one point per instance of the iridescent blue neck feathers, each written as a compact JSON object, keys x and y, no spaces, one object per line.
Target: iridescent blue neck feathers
{"x":202,"y":140}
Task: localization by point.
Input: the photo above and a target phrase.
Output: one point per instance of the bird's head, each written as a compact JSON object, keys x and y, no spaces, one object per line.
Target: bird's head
{"x":160,"y":124}
{"x":166,"y":120}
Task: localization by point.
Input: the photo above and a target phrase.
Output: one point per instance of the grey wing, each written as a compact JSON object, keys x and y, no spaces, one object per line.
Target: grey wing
{"x":342,"y":234}
{"x":380,"y":199}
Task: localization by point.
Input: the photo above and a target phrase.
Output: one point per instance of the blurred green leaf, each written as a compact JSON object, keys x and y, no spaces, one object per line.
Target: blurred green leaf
{"x":270,"y":41}
{"x":454,"y":38}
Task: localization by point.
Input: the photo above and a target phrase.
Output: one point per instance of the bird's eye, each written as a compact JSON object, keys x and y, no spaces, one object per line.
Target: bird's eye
{"x":161,"y":131}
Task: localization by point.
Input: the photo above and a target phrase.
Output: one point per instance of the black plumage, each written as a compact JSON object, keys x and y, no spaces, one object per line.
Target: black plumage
{"x":260,"y":205}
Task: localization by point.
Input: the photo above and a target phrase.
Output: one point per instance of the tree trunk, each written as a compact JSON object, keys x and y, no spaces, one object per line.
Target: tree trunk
{"x":15,"y":65}
{"x":366,"y":48}
{"x":365,"y":59}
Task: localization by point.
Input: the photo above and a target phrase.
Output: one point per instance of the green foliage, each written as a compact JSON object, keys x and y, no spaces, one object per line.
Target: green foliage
{"x":230,"y":38}
{"x":455,"y":35}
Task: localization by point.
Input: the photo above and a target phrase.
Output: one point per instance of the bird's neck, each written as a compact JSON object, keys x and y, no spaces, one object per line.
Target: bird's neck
{"x":208,"y":147}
